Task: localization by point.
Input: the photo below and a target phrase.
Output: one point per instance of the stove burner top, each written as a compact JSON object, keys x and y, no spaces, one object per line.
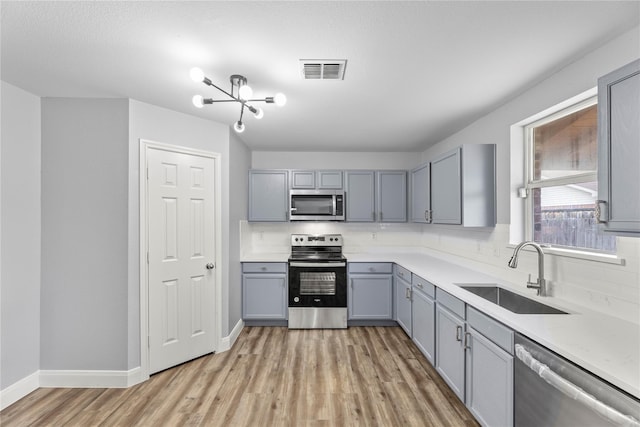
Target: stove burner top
{"x":316,"y":248}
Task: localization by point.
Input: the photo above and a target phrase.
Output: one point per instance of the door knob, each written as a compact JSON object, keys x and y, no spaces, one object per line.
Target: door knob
{"x":210,"y":266}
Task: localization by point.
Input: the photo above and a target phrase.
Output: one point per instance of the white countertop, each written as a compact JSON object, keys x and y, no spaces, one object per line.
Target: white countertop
{"x":607,"y":346}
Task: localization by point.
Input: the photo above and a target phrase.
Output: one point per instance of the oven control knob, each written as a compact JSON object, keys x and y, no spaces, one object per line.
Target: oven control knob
{"x":296,"y":299}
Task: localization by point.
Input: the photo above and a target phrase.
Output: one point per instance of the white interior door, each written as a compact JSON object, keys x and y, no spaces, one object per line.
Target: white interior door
{"x":181,"y":279}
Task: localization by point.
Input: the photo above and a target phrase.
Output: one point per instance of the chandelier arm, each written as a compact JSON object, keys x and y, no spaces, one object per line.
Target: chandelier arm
{"x":241,"y":112}
{"x":225,"y":92}
{"x":225,"y":100}
{"x":267,"y":100}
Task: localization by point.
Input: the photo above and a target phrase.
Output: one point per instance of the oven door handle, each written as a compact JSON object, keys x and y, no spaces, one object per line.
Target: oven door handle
{"x":318,"y":264}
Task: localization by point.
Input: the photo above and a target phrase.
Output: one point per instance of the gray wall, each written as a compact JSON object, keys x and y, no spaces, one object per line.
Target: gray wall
{"x":240,"y":162}
{"x":169,"y":127}
{"x":333,"y":160}
{"x":84,"y":234}
{"x":574,"y":79}
{"x":20,"y":235}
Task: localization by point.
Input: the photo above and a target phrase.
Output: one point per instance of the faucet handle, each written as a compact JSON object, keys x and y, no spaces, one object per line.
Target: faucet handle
{"x":531,"y":284}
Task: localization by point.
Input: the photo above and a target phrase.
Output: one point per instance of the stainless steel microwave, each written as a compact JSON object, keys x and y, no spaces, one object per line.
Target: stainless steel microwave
{"x":316,"y":205}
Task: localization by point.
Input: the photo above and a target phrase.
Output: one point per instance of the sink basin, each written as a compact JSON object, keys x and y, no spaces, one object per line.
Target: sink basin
{"x":510,"y":300}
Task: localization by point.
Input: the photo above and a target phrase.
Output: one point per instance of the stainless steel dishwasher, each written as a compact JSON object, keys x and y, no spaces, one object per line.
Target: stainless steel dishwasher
{"x":553,"y":392}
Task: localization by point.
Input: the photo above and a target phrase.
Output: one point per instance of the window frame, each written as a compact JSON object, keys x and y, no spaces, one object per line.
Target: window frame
{"x":530,"y":183}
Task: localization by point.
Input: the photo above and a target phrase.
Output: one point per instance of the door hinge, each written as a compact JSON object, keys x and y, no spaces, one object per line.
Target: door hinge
{"x":148,"y":341}
{"x":147,"y":174}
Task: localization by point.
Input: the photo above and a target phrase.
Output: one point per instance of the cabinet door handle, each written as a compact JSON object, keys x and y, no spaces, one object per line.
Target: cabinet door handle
{"x":426,"y":215}
{"x":466,"y":340}
{"x":459,"y":333}
{"x":381,"y":217}
{"x":373,"y":215}
{"x":407,"y":293}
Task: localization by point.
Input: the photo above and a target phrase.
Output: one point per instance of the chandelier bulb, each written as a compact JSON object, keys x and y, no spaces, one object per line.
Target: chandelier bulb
{"x":259,"y":113}
{"x":198,"y":101}
{"x":280,"y":99}
{"x":238,"y":126}
{"x":197,"y":75}
{"x":245,"y":92}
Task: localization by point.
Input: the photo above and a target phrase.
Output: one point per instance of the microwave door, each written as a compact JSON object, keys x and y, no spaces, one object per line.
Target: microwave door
{"x":311,"y":205}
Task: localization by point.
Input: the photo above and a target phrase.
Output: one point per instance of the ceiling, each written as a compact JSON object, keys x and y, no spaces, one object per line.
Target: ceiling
{"x":416,"y":71}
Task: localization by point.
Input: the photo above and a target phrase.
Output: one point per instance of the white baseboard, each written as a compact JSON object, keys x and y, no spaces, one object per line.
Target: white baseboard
{"x":19,"y":389}
{"x":90,"y":379}
{"x":227,"y":342}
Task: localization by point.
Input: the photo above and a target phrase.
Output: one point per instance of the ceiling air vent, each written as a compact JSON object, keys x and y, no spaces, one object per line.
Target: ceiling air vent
{"x":327,"y":69}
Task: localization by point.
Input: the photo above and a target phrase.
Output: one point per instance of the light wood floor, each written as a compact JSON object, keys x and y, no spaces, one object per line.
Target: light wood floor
{"x":361,"y":376}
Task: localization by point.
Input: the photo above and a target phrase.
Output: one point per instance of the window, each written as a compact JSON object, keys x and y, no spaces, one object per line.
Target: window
{"x":561,"y":180}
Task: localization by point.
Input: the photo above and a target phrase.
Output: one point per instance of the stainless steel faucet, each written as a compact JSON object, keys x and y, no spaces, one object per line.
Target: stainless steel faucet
{"x":541,"y":283}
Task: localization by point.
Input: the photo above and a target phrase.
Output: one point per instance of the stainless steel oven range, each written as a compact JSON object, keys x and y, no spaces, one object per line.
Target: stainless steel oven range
{"x":317,"y":282}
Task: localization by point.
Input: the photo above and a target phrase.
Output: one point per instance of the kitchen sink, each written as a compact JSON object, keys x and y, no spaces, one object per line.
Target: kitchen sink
{"x":509,"y":300}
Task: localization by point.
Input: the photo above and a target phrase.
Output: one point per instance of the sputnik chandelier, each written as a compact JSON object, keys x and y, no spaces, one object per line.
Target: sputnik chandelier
{"x":241,"y":92}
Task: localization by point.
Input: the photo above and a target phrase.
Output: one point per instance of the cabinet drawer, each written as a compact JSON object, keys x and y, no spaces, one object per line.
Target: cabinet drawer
{"x":490,"y":328}
{"x":402,"y":273}
{"x":423,"y":285}
{"x":264,"y":267}
{"x":454,"y":305}
{"x":370,"y":267}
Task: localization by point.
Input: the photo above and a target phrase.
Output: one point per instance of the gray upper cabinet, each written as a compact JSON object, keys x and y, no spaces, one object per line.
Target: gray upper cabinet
{"x":360,"y":196}
{"x":463,"y":186}
{"x":391,"y":200}
{"x":420,"y":198}
{"x":303,"y":179}
{"x":268,"y":195}
{"x":445,"y":189}
{"x":309,"y":179}
{"x":619,"y":149}
{"x":376,"y":196}
{"x":329,"y":180}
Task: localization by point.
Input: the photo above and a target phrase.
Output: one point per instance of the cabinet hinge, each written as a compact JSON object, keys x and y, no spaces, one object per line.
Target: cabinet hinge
{"x":147,"y":257}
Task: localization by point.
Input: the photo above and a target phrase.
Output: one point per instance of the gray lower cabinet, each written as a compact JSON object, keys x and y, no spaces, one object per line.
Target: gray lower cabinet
{"x":403,"y":298}
{"x":370,"y":293}
{"x":619,"y":149}
{"x":449,"y":341}
{"x":489,"y":370}
{"x":264,"y":291}
{"x":268,"y":195}
{"x":463,"y":186}
{"x":423,"y":315}
{"x":474,"y":355}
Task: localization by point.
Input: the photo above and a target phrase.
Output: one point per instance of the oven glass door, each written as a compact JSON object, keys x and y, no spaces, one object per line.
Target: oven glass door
{"x":317,"y":284}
